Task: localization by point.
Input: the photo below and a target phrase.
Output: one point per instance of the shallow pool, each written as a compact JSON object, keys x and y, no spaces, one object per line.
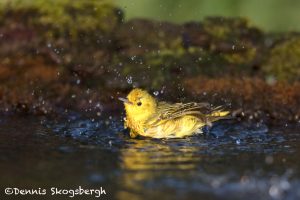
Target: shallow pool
{"x":232,"y":160}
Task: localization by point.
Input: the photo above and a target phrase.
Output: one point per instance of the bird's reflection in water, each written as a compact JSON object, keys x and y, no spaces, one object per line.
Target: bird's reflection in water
{"x":144,"y":161}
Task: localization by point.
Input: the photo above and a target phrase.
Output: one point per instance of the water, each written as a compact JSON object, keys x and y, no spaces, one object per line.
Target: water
{"x":232,"y":160}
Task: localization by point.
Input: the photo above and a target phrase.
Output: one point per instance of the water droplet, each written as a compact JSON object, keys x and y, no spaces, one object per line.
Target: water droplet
{"x":156,"y":93}
{"x":133,"y":58}
{"x":129,"y":79}
{"x":56,"y":51}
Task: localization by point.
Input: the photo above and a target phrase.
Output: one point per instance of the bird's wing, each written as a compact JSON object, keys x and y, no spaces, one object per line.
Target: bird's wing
{"x":173,"y":128}
{"x":166,"y":111}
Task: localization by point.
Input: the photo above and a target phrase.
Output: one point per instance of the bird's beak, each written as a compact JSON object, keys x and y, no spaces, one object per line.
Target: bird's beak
{"x":125,"y":100}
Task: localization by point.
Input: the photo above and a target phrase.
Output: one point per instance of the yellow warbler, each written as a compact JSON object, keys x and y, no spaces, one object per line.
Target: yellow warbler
{"x":148,"y":117}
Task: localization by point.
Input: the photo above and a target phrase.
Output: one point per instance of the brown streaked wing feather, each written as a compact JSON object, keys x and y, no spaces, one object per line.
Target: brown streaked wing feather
{"x":168,"y":111}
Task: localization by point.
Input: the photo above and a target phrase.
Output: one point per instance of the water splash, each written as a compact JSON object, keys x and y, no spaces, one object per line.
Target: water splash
{"x":129,"y":79}
{"x":156,"y":93}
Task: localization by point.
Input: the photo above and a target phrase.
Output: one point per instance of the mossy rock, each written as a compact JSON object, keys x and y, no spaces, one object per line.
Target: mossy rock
{"x":140,"y":36}
{"x":75,"y":34}
{"x":61,"y":17}
{"x":231,"y":29}
{"x":284,"y":60}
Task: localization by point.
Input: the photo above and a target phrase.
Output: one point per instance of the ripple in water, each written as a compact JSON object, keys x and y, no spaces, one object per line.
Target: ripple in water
{"x":236,"y":160}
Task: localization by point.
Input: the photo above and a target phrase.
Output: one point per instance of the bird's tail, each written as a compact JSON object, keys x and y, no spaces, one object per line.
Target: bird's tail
{"x":217,"y":114}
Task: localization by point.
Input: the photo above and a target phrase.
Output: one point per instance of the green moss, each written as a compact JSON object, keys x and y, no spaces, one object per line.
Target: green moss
{"x":246,"y":56}
{"x":235,"y":40}
{"x":225,"y":28}
{"x":284,"y":60}
{"x":62,"y":17}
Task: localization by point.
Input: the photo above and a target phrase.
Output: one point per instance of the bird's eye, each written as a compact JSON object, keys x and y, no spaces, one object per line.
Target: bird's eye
{"x":139,"y":103}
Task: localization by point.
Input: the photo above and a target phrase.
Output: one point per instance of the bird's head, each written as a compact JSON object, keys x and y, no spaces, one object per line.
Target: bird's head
{"x":139,"y":104}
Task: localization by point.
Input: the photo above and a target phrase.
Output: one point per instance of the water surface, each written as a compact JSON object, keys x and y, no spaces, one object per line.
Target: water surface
{"x":232,"y":160}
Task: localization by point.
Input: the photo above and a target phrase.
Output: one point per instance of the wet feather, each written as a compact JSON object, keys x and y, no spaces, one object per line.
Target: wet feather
{"x":147,"y":117}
